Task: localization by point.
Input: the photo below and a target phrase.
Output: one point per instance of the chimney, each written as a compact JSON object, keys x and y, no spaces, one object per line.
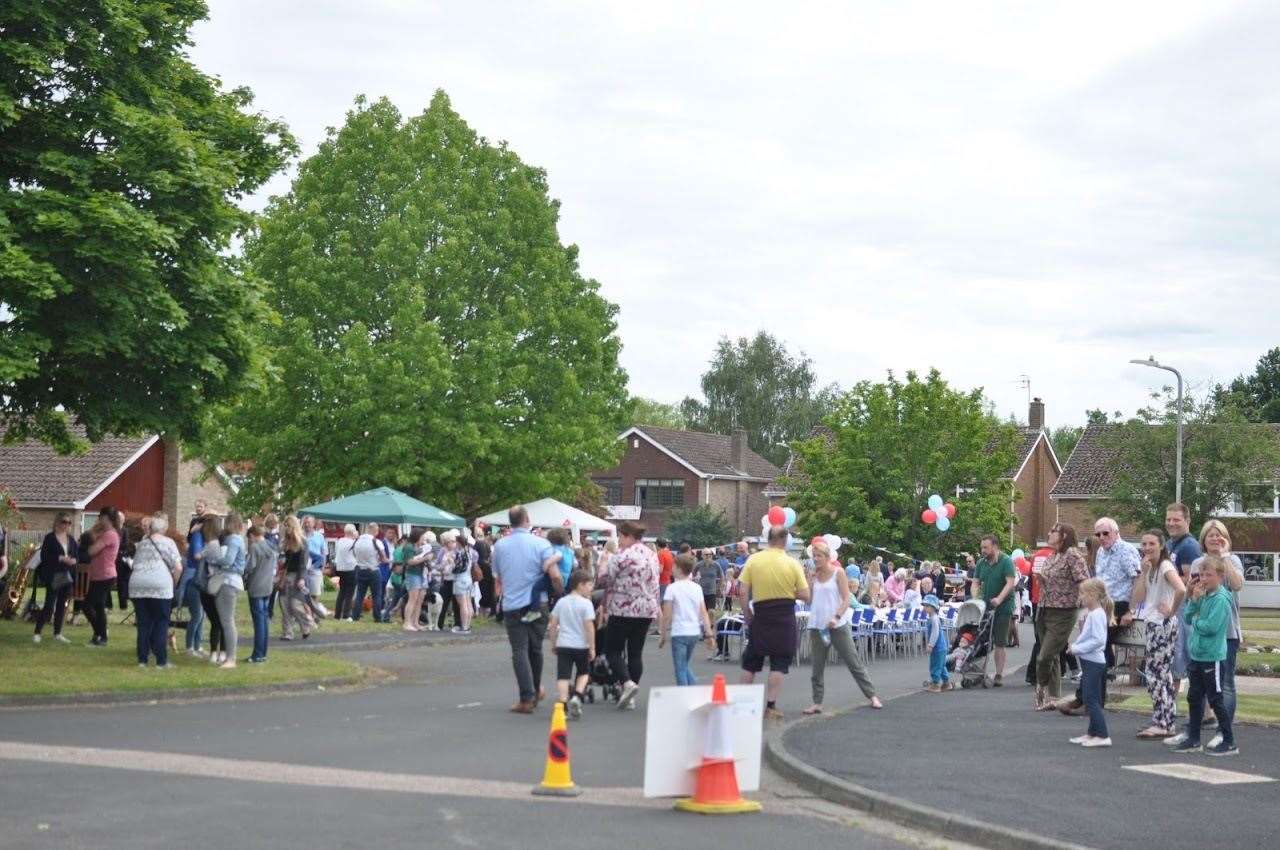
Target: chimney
{"x":1035,"y":416}
{"x":738,"y":450}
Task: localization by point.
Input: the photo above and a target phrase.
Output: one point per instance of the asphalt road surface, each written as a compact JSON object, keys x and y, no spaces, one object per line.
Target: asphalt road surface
{"x":431,"y":758}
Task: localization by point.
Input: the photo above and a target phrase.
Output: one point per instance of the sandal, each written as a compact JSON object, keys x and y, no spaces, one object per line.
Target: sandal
{"x":813,"y":709}
{"x":1151,"y":733}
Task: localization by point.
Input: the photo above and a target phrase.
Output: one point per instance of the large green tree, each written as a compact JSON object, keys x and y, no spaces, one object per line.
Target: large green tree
{"x":890,"y":446}
{"x":647,"y":411}
{"x":120,"y":304}
{"x":758,"y":386}
{"x":1225,"y":454}
{"x":433,"y":333}
{"x":1258,"y":394}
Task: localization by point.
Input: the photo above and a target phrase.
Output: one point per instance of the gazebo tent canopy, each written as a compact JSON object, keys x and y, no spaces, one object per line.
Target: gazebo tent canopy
{"x":383,"y":504}
{"x":548,"y":513}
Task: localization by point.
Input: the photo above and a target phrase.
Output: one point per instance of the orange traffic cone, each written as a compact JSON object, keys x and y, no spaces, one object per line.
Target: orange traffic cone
{"x":717,"y":790}
{"x":556,"y":778}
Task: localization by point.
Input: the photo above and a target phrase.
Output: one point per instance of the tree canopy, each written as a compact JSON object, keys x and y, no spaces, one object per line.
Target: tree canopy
{"x":1258,"y":394}
{"x":433,"y":334}
{"x":1224,"y":454}
{"x":758,"y":386}
{"x":698,"y":526}
{"x":890,"y":446}
{"x":647,"y":411}
{"x":121,"y":163}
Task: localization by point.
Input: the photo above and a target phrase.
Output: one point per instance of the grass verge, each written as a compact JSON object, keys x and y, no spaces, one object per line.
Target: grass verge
{"x":51,"y":668}
{"x":1250,"y":708}
{"x":1260,"y":624}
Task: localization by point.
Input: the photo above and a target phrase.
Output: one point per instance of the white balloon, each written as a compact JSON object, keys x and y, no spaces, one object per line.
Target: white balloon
{"x":833,"y":542}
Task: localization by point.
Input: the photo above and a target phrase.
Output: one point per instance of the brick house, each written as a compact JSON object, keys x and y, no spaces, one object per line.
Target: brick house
{"x":1083,"y":491}
{"x":662,"y":468}
{"x":138,"y":475}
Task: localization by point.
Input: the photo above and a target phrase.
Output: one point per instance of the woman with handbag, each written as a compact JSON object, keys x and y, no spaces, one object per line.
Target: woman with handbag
{"x":226,"y":582}
{"x":157,"y":567}
{"x":58,"y":556}
{"x":208,"y":560}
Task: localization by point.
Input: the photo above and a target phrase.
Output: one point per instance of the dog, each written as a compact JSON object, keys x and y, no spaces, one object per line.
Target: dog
{"x":432,"y":603}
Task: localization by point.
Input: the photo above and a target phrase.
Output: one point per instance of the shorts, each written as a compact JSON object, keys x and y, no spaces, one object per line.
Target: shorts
{"x":412,"y":582}
{"x":1000,"y":628}
{"x":566,"y":659}
{"x":753,"y":661}
{"x":462,"y":584}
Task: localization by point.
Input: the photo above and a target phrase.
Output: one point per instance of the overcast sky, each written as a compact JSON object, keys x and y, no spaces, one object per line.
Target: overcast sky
{"x":995,"y":189}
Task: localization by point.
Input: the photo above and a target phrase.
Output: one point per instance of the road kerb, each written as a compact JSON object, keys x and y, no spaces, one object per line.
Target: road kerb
{"x":845,"y":793}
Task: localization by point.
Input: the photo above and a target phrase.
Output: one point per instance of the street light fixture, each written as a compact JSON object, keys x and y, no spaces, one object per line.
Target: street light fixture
{"x":1154,"y":364}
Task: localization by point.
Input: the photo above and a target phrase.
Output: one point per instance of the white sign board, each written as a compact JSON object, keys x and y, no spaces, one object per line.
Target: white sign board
{"x":677,"y":732}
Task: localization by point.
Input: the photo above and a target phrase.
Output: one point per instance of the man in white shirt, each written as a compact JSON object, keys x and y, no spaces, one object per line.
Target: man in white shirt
{"x":367,"y":554}
{"x":344,"y":560}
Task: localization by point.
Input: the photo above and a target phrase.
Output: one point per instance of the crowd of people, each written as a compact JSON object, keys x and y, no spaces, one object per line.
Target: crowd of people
{"x":601,"y":603}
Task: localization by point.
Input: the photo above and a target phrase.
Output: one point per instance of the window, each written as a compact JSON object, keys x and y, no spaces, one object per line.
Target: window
{"x":1259,"y":566}
{"x":659,"y":492}
{"x":1255,"y":499}
{"x":611,"y":490}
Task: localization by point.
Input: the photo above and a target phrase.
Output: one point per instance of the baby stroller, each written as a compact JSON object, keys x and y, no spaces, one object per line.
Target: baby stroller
{"x":973,"y":629}
{"x":601,"y":674}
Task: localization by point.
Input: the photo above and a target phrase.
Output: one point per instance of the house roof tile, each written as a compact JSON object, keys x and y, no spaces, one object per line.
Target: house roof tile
{"x":34,"y":474}
{"x":710,"y":453}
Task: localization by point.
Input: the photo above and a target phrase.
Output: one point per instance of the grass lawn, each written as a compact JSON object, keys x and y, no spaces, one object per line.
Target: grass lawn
{"x":57,"y":669}
{"x":1250,"y":708}
{"x":1259,"y":624}
{"x":1246,"y":663}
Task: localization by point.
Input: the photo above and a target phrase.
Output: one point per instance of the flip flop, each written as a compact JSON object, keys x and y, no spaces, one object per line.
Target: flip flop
{"x":1150,"y":735}
{"x":812,"y":710}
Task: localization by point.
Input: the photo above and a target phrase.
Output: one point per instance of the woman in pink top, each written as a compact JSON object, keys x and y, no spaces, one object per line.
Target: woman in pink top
{"x":896,"y":586}
{"x":631,"y":603}
{"x":102,"y":572}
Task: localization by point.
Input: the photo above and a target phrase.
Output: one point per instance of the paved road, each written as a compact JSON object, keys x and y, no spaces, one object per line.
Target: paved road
{"x":990,"y":757}
{"x":432,"y":757}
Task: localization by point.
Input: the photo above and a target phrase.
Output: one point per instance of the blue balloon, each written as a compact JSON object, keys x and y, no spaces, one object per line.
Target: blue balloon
{"x":935,"y":502}
{"x":789,"y":515}
{"x":943,"y":523}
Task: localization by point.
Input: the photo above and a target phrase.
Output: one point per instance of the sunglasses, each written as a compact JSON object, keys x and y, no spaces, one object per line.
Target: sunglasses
{"x":1102,"y":534}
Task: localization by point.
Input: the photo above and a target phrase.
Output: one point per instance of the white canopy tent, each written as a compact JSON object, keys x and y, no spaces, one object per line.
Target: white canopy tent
{"x":548,"y":513}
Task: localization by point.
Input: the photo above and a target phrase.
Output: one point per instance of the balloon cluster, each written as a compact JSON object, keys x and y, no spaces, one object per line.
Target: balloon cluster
{"x":832,"y":542}
{"x":939,"y":514}
{"x":1020,"y":560}
{"x":779,"y":516}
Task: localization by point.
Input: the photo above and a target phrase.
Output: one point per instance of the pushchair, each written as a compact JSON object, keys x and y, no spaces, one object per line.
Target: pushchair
{"x":601,"y":674}
{"x":973,"y":622}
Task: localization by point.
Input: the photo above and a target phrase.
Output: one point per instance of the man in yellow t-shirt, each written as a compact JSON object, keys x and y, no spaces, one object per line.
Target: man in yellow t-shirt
{"x":769,"y":586}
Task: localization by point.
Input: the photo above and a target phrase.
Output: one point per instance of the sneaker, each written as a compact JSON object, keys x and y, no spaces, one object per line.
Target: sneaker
{"x":715,"y":657}
{"x":628,"y":697}
{"x":1188,"y":747}
{"x":61,"y":639}
{"x":167,"y":666}
{"x":1209,"y":722}
{"x":1214,"y":741}
{"x":1079,"y":739}
{"x":142,"y":666}
{"x":998,"y":681}
{"x":35,"y":638}
{"x":575,"y":707}
{"x":1075,"y":677}
{"x":1096,"y":742}
{"x":1222,"y":749}
{"x":531,"y":617}
{"x":1177,"y":740}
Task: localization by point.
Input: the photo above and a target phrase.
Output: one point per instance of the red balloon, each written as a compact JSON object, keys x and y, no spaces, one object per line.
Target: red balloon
{"x":950,"y":510}
{"x":777,"y":516}
{"x":1021,"y":564}
{"x":929,"y":517}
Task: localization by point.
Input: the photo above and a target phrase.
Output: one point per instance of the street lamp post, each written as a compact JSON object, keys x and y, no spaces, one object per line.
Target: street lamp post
{"x":1154,"y":364}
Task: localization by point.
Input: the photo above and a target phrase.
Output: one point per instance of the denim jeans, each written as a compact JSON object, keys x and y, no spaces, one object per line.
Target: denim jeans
{"x":526,"y":652}
{"x":190,"y":596}
{"x":1092,"y":682}
{"x":261,"y":625}
{"x":370,"y":580}
{"x":682,"y":647}
{"x":152,"y":617}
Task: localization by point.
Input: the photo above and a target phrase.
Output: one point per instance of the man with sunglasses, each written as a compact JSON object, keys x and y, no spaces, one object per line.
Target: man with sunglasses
{"x":1118,"y":564}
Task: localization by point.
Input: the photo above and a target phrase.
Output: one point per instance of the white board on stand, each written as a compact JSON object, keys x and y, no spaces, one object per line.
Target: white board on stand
{"x":677,"y":731}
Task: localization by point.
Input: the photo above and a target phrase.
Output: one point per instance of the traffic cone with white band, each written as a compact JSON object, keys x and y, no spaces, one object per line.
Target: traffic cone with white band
{"x":716,"y":792}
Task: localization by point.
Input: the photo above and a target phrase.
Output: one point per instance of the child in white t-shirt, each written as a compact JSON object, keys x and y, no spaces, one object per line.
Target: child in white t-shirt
{"x":685,"y":619}
{"x":572,"y":629}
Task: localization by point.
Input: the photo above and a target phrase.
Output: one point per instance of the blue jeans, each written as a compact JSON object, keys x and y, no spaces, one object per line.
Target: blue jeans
{"x":938,"y":664}
{"x":1094,"y":677}
{"x":682,"y":647}
{"x":368,"y":580}
{"x":153,"y":629}
{"x":189,"y":594}
{"x":261,"y":625}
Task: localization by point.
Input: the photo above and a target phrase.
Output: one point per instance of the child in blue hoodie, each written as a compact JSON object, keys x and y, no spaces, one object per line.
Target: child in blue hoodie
{"x":936,"y":645}
{"x":1208,"y":620}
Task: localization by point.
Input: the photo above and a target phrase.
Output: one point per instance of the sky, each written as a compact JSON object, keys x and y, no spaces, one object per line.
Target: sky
{"x":992,"y":189}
